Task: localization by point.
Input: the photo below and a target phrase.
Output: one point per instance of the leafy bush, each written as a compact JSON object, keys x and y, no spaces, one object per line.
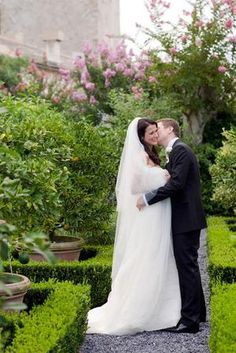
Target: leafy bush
{"x":10,"y":69}
{"x":58,"y":324}
{"x":222,"y":253}
{"x":224,"y":172}
{"x":35,"y":144}
{"x":223,"y":319}
{"x":95,"y":271}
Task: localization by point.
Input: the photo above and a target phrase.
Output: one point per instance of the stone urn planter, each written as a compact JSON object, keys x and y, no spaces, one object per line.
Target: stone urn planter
{"x":65,"y":248}
{"x":18,"y":286}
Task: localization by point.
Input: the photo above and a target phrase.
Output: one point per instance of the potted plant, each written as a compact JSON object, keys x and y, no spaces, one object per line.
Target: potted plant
{"x":62,"y":246}
{"x":14,"y":286}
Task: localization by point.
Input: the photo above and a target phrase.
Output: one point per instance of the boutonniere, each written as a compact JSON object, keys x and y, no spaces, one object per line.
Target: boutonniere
{"x":168,"y":149}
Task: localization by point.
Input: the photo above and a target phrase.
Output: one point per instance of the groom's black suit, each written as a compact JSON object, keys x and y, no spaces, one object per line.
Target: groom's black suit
{"x":187,"y":220}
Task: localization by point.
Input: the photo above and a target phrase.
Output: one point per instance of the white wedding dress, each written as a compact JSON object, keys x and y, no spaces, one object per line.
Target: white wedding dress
{"x":145,"y":294}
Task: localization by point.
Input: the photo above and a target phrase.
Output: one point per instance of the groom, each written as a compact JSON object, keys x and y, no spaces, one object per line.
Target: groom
{"x":187,"y":221}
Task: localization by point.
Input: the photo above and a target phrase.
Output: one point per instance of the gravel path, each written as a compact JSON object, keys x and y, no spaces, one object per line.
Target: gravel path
{"x":157,"y":342}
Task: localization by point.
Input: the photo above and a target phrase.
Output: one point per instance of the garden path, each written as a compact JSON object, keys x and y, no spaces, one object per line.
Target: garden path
{"x":158,"y":342}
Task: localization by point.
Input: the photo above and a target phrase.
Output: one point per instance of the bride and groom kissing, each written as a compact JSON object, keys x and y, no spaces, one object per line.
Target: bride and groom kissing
{"x":156,"y":282}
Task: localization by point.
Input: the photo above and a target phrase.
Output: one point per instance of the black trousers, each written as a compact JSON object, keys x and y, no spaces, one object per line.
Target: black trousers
{"x":186,"y":247}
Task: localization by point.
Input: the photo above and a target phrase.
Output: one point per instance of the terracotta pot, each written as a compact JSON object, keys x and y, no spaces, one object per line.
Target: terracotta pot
{"x":64,"y":248}
{"x":17,"y":284}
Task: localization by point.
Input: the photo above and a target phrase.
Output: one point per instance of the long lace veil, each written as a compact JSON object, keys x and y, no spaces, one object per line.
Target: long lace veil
{"x":132,"y":160}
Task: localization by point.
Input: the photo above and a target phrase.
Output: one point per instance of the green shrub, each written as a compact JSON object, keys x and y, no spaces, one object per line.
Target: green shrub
{"x":95,"y":271}
{"x":10,"y":69}
{"x":224,"y":172}
{"x":223,"y":319}
{"x":57,"y":325}
{"x":52,"y":167}
{"x":222,"y":253}
{"x":36,"y":142}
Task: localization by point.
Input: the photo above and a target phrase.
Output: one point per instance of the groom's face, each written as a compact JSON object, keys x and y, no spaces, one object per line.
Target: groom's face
{"x":163,"y":134}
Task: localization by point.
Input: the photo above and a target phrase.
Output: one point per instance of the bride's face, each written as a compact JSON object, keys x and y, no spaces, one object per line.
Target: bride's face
{"x":151,"y":136}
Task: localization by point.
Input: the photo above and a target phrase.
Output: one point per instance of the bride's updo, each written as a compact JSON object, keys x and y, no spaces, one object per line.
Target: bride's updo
{"x":143,"y":123}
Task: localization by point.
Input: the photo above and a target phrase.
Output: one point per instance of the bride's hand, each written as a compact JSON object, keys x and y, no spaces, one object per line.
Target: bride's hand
{"x":167,"y":175}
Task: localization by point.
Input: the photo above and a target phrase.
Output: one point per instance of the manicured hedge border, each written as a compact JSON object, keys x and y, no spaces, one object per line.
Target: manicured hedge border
{"x":223,"y":319}
{"x":95,"y":271}
{"x":57,"y":325}
{"x":221,"y":250}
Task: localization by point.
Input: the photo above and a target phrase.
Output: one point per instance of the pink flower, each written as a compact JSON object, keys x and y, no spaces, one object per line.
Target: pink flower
{"x":184,"y":38}
{"x":198,"y":42}
{"x":233,"y":10}
{"x":186,"y":13}
{"x":56,"y":99}
{"x":79,"y":96}
{"x":103,"y":49}
{"x":120,"y":67}
{"x":173,"y":51}
{"x":153,"y":18}
{"x":79,"y":62}
{"x":139,"y":75}
{"x":108,"y":73}
{"x":153,"y":3}
{"x":87,"y":48}
{"x":232,"y":39}
{"x":222,"y":69}
{"x":19,"y":52}
{"x":90,"y":86}
{"x":152,"y":79}
{"x":128,"y":72}
{"x":65,"y":74}
{"x":137,"y":92}
{"x":199,"y":24}
{"x":229,"y":23}
{"x":166,"y":5}
{"x":92,"y":100}
{"x":84,"y":77}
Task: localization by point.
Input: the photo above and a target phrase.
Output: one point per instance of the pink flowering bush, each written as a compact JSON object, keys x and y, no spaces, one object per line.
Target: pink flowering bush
{"x":103,"y":69}
{"x":194,"y":60}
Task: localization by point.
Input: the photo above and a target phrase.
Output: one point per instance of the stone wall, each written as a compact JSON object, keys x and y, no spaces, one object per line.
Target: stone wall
{"x":79,"y":20}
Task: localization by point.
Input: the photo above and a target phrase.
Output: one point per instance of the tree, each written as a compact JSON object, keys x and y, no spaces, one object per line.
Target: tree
{"x":194,"y":62}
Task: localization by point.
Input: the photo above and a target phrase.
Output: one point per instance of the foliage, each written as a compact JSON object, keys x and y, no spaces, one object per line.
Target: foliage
{"x":223,"y":319}
{"x":10,"y":69}
{"x":222,"y":253}
{"x":88,"y":199}
{"x":59,"y":322}
{"x":95,"y":271}
{"x":35,"y":143}
{"x":224,"y":172}
{"x":199,"y":59}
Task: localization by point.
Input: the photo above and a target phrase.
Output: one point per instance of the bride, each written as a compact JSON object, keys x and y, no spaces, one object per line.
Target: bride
{"x":145,"y":293}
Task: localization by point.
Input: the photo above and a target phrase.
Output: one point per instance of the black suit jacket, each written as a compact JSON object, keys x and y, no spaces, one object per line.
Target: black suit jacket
{"x":184,"y":190}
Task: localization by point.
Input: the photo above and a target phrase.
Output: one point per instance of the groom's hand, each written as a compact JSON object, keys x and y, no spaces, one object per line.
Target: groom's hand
{"x":140,"y":203}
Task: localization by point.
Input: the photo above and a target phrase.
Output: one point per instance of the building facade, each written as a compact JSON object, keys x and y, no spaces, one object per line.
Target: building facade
{"x":59,"y":27}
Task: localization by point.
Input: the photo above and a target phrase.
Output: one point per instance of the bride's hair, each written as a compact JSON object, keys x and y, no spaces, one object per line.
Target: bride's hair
{"x":143,"y":123}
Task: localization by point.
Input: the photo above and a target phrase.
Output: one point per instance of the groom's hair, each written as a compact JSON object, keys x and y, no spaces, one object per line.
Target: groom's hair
{"x":171,"y":122}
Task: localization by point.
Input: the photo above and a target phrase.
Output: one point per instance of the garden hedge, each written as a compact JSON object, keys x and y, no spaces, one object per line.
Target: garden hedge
{"x":223,"y":319}
{"x":222,"y":251}
{"x":57,"y":323}
{"x":95,"y":271}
